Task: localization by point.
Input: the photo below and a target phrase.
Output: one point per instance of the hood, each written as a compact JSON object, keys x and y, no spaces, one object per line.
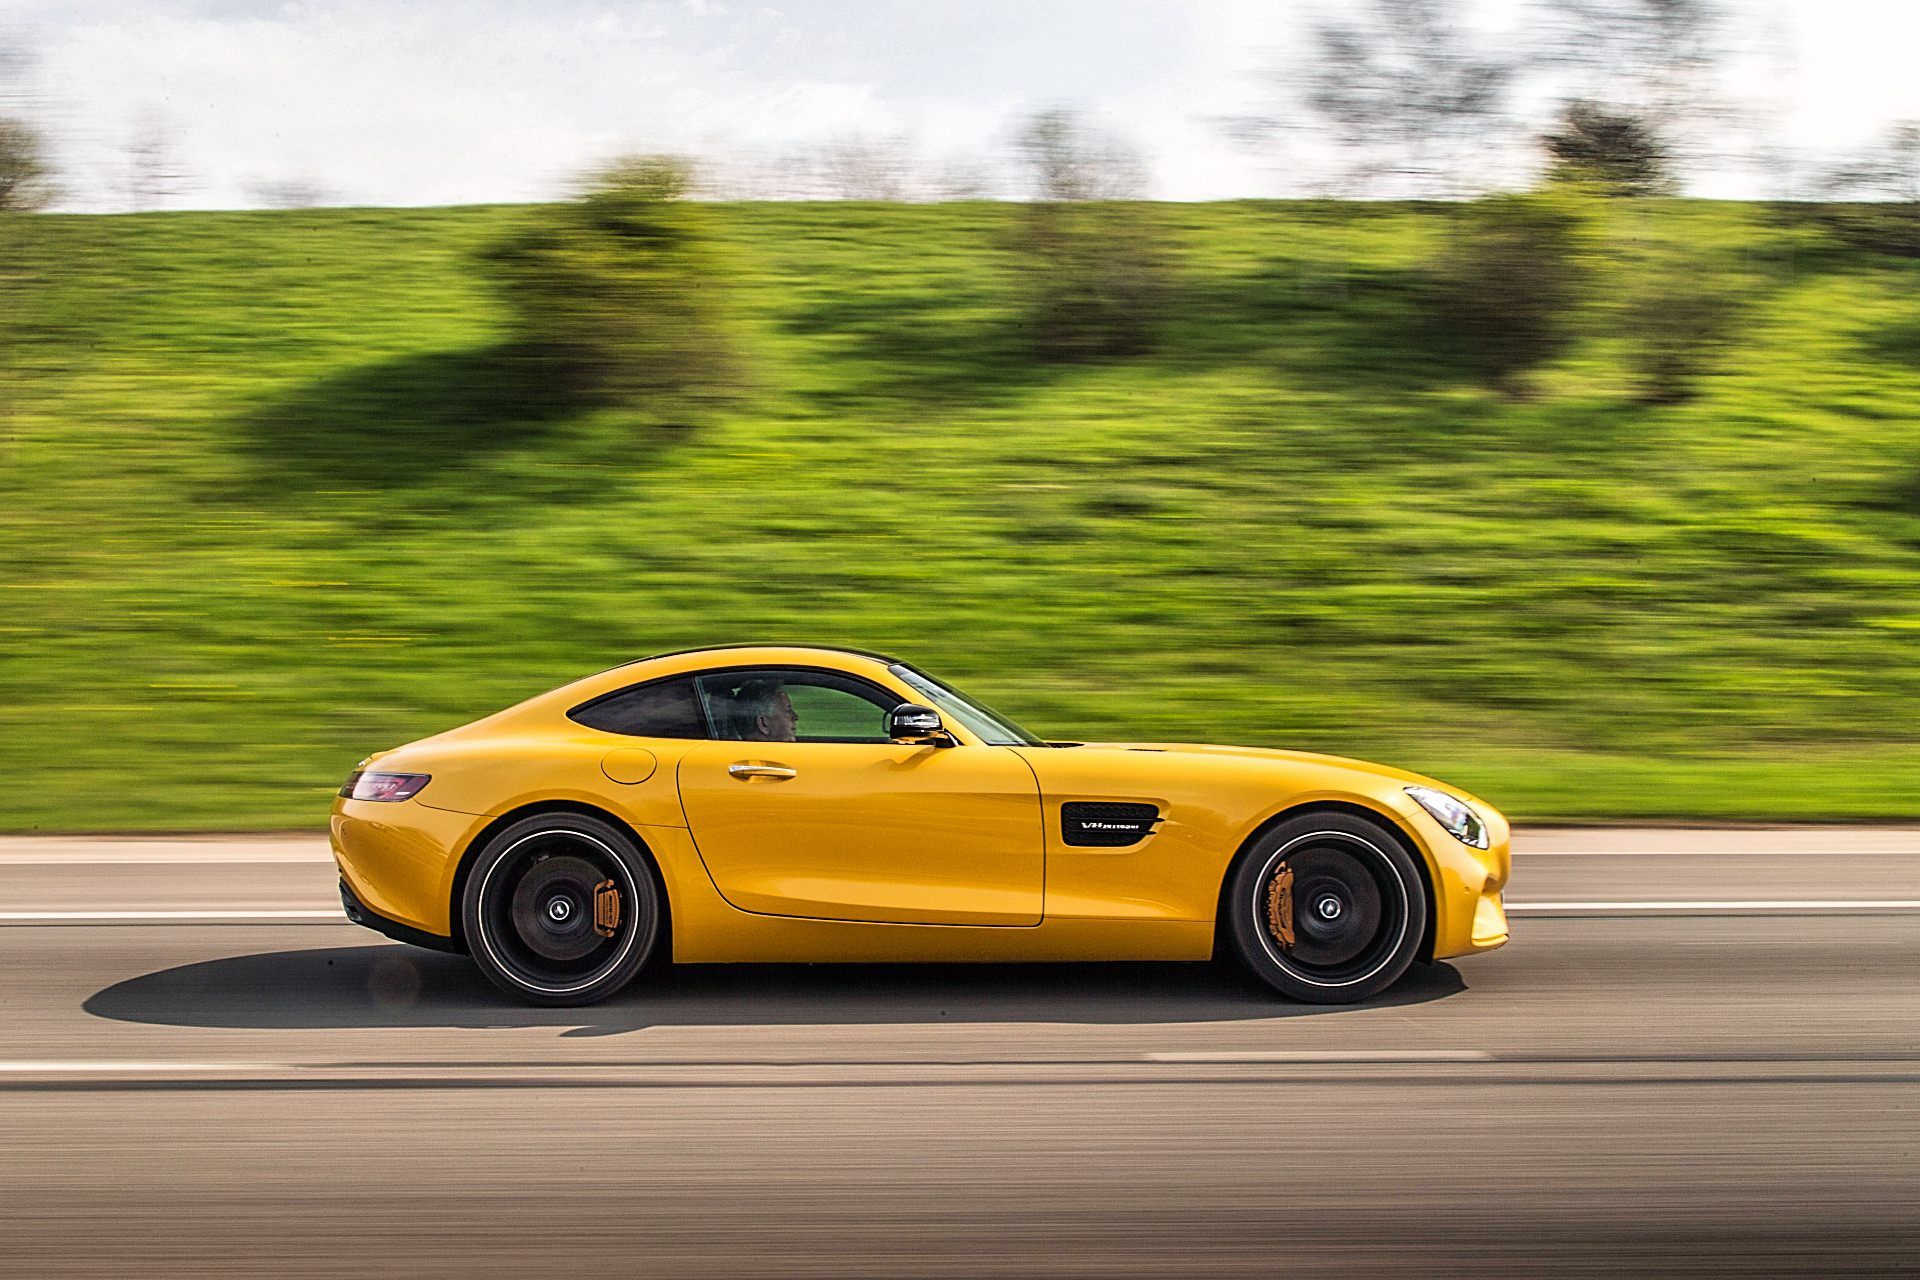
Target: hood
{"x":1281,"y":755}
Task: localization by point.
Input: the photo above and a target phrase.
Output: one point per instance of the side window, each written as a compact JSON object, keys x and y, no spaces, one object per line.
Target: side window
{"x":777,"y":704}
{"x":662,"y":709}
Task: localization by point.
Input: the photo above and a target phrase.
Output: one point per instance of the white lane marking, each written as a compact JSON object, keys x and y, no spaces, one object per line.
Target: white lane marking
{"x":1325,"y":1055}
{"x":105,"y":1068}
{"x":49,"y":853}
{"x":1739,"y":904}
{"x":188,"y":915}
{"x":259,"y":859}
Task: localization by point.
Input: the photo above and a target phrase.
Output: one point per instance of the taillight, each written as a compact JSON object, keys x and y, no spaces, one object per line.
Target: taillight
{"x":384,"y":786}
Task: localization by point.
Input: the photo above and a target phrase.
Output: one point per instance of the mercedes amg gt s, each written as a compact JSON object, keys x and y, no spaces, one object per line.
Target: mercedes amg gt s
{"x":786,"y":803}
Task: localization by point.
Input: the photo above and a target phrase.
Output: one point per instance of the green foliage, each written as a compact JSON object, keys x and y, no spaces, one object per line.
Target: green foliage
{"x":1091,"y":263}
{"x":1095,"y":275}
{"x":20,"y":298}
{"x":1677,"y":315}
{"x":1875,"y":226}
{"x":245,"y":536}
{"x":1510,"y":280}
{"x":617,"y":296}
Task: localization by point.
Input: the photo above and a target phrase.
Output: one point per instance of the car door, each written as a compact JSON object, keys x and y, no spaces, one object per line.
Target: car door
{"x":843,"y":824}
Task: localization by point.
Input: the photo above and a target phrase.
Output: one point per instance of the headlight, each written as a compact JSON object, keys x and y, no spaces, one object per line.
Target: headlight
{"x":1453,"y":813}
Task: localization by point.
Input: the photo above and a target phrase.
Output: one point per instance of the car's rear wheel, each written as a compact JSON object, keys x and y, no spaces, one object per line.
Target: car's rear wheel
{"x":1327,"y":908}
{"x":560,"y":909}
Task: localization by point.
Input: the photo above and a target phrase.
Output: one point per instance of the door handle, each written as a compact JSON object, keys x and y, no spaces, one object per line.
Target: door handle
{"x":744,"y":770}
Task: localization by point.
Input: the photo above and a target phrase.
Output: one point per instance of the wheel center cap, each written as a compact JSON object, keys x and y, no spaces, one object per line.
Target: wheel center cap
{"x":1329,"y":908}
{"x":558,"y":909}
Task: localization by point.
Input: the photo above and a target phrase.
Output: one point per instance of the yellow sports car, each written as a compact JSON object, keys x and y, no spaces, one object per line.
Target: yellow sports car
{"x":789,"y":803}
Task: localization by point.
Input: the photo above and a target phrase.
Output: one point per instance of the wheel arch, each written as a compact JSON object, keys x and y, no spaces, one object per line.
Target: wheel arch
{"x":1352,"y":809}
{"x":535,"y":809}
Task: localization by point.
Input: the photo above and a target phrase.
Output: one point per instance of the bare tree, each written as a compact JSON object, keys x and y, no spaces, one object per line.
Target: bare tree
{"x":25,"y":174}
{"x":1653,"y":61}
{"x":154,"y":174}
{"x":758,"y":174}
{"x":289,"y":193}
{"x":964,"y":177}
{"x":865,"y":166}
{"x":1411,"y":99}
{"x":1067,"y":160}
{"x":1092,"y":263}
{"x":1655,"y":55}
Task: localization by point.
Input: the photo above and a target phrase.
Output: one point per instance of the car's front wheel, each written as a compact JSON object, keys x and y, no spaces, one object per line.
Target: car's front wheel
{"x":560,"y":909}
{"x":1327,"y":908}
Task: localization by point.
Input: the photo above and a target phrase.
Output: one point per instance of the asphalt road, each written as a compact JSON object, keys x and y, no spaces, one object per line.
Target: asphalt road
{"x":1700,"y":1055}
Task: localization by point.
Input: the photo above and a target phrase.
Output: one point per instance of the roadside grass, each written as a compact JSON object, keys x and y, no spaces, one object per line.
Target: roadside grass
{"x":268,"y":501}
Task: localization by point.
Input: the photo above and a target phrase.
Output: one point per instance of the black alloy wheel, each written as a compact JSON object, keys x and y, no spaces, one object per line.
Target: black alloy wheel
{"x":1327,"y":908}
{"x":561,"y":909}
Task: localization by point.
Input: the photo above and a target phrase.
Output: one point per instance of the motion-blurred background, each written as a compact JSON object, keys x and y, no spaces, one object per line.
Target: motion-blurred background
{"x":1519,"y":391}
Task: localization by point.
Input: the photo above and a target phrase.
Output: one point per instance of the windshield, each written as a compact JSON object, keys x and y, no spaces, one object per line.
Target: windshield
{"x":995,"y":730}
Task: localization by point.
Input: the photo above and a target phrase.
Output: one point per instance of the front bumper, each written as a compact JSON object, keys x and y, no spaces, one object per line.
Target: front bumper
{"x":1489,"y":923}
{"x":1468,"y":887}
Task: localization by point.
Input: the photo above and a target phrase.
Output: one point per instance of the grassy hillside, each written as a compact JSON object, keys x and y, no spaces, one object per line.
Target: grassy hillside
{"x":264,"y":506}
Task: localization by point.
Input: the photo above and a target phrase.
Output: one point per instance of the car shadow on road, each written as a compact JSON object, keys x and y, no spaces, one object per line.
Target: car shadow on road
{"x":397,"y":986}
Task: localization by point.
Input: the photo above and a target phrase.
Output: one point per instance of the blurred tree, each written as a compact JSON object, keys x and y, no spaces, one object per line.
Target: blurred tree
{"x":1616,"y":154}
{"x":154,"y":173}
{"x":1878,"y":194}
{"x":1889,"y":170}
{"x":25,"y":174}
{"x":616,"y":295}
{"x":1509,"y":282}
{"x":1090,"y":257}
{"x":1412,"y":102}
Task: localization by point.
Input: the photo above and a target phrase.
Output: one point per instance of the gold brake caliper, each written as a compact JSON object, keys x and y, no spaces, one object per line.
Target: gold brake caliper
{"x":606,"y":908}
{"x":1280,"y":906}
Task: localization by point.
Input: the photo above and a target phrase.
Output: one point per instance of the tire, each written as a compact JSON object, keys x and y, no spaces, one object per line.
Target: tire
{"x":1358,"y":908}
{"x":529,"y":902}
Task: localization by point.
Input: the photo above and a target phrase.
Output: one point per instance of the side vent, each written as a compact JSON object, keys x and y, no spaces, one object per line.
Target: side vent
{"x":1106,"y":825}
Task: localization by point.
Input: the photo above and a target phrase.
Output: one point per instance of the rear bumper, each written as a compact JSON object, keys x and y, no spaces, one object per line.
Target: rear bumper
{"x":359,"y":913}
{"x":399,"y":858}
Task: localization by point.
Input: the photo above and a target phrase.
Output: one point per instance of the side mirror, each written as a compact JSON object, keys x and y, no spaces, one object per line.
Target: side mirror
{"x":912,"y":722}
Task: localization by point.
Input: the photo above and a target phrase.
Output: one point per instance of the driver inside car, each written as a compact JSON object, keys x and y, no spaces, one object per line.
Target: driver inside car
{"x":762,"y":712}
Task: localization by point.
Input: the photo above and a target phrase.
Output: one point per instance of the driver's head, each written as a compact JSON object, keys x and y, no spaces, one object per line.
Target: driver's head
{"x":765,"y":712}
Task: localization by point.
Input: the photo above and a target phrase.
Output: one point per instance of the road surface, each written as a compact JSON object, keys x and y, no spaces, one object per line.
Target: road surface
{"x":1701,"y":1054}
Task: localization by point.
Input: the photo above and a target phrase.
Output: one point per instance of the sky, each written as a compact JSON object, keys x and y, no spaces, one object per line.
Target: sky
{"x":466,"y":101}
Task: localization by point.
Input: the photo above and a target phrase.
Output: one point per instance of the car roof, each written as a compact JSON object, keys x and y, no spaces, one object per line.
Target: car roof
{"x":555,"y":703}
{"x":766,"y":644}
